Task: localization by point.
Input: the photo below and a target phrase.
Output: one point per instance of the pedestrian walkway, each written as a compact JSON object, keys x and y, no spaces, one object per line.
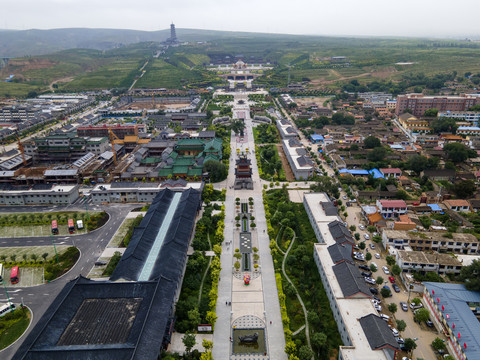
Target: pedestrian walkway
{"x":258,"y":301}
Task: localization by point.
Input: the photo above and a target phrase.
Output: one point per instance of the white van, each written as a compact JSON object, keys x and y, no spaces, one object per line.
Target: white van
{"x":79,"y":224}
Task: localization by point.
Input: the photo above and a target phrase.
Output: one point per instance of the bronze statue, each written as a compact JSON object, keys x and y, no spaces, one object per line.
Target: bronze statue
{"x":249,"y":339}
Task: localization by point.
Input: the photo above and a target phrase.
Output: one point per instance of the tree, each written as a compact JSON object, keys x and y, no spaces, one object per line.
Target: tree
{"x":25,"y":256}
{"x":319,"y":342}
{"x":362,"y":245}
{"x":470,"y":275}
{"x":368,"y":257}
{"x":457,"y":152}
{"x":390,"y":260}
{"x":377,"y":154}
{"x":401,"y":325}
{"x":13,"y":257}
{"x":194,"y":317}
{"x":416,"y":301}
{"x":438,"y":344}
{"x":373,"y":268}
{"x":409,"y":345}
{"x":386,"y":292}
{"x":422,"y":315}
{"x":189,"y":341}
{"x":237,"y":265}
{"x":379,"y":280}
{"x":305,"y":353}
{"x":371,"y":142}
{"x":396,"y":270}
{"x":44,"y":256}
{"x":34,"y":257}
{"x":216,"y":170}
{"x":392,"y":307}
{"x":353,"y":228}
{"x":357,"y":236}
{"x":417,"y":163}
{"x":377,"y":239}
{"x":290,"y":348}
{"x":371,"y":229}
{"x":444,"y":124}
{"x":431,"y":112}
{"x":464,"y":189}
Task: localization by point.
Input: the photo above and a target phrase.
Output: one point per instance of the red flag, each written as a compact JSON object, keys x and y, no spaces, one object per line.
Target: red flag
{"x":438,"y":300}
{"x":433,"y":292}
{"x":443,"y":308}
{"x":459,"y":335}
{"x":465,"y":346}
{"x":453,"y":326}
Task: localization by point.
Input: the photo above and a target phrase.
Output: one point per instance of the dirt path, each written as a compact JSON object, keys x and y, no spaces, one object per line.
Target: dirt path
{"x":286,"y":166}
{"x":63,"y":80}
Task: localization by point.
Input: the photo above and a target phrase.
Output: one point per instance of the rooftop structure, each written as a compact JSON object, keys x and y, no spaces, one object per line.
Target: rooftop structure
{"x":425,"y":262}
{"x":300,"y":162}
{"x":286,"y":129}
{"x":38,"y":194}
{"x":456,"y":309}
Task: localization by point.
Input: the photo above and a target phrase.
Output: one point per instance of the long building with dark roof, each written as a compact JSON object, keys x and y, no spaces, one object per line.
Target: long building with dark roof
{"x":130,"y":316}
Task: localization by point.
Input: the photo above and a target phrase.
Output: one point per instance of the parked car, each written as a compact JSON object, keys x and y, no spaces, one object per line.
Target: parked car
{"x":375,"y":233}
{"x":377,"y":256}
{"x":391,"y":279}
{"x":415,"y":307}
{"x":385,"y":270}
{"x":366,"y":274}
{"x":377,"y":299}
{"x":366,"y":236}
{"x":361,"y":227}
{"x":404,"y":305}
{"x":372,"y":246}
{"x":387,"y":287}
{"x":373,"y":290}
{"x":395,"y":332}
{"x":429,"y":323}
{"x":385,"y":317}
{"x":364,"y":267}
{"x":344,"y":197}
{"x":370,"y":280}
{"x":378,"y":307}
{"x":395,"y":288}
{"x":400,"y":340}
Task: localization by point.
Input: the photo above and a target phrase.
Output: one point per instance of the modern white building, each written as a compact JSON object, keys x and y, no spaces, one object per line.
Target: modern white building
{"x":39,"y":194}
{"x":127,"y":192}
{"x":364,"y":334}
{"x":470,"y":116}
{"x":392,"y":208}
{"x":300,"y":162}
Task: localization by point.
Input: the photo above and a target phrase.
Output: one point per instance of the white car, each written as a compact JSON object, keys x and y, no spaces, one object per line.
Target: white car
{"x":361,"y":227}
{"x":366,"y":236}
{"x":395,"y":332}
{"x":344,"y":197}
{"x":377,"y":256}
{"x":385,"y":270}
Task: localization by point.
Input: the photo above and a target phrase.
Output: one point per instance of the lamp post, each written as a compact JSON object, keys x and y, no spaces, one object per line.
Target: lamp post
{"x":55,"y":248}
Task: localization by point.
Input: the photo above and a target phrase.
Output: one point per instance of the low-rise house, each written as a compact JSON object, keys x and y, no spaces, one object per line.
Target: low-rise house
{"x":460,"y":243}
{"x":439,"y":174}
{"x":423,"y":262}
{"x":457,"y":205}
{"x":474,"y":204}
{"x":391,"y":172}
{"x":391,"y":208}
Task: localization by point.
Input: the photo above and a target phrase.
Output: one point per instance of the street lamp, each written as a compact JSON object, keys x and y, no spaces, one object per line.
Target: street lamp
{"x":8,"y":297}
{"x":55,"y":248}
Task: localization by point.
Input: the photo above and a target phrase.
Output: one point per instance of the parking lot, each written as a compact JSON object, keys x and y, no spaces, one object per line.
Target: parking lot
{"x":421,"y":332}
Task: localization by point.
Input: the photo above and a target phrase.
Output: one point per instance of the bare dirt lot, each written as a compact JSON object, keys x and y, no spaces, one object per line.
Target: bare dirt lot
{"x":309,"y":100}
{"x":286,"y":166}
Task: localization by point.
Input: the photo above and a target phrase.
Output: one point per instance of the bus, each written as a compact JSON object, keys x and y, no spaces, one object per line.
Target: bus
{"x":71,"y":226}
{"x":54,"y":227}
{"x":14,"y":275}
{"x":9,"y":307}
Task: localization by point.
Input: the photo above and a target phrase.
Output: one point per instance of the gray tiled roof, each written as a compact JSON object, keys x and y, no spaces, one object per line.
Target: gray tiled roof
{"x":340,"y":252}
{"x":377,"y":332}
{"x":350,"y":280}
{"x":339,"y":231}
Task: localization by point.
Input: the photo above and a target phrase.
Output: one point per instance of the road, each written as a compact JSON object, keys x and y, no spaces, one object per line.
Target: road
{"x":91,"y":246}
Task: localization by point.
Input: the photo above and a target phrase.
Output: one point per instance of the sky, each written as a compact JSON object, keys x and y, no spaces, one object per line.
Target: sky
{"x":417,"y":18}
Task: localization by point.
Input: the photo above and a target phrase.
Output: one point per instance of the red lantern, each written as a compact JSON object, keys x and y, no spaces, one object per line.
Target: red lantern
{"x":438,"y":300}
{"x":443,"y":308}
{"x":433,"y":292}
{"x":459,"y":336}
{"x":465,"y":346}
{"x":453,"y":326}
{"x":448,"y":316}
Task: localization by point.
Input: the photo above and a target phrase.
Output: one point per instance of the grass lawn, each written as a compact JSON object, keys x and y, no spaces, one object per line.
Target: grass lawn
{"x":120,"y":234}
{"x":13,"y":328}
{"x":10,"y":89}
{"x":29,"y":251}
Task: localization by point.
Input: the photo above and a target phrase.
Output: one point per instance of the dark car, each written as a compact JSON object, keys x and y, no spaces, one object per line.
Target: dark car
{"x":396,"y":288}
{"x":376,"y":298}
{"x":364,"y":267}
{"x":374,"y":290}
{"x":429,"y":323}
{"x":366,"y":274}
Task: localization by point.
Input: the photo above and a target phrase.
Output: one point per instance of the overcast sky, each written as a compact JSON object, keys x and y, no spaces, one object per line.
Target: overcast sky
{"x":432,"y":18}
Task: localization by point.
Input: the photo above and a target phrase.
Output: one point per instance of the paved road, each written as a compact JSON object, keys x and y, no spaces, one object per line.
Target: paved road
{"x":39,"y":298}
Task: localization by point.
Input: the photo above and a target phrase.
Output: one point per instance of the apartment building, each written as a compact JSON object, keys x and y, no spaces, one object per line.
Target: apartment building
{"x":460,"y":243}
{"x":286,"y":129}
{"x":38,"y":194}
{"x":470,"y":116}
{"x":419,"y":103}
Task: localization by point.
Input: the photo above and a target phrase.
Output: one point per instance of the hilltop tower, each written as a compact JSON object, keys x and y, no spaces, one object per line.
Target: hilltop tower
{"x":173,"y":34}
